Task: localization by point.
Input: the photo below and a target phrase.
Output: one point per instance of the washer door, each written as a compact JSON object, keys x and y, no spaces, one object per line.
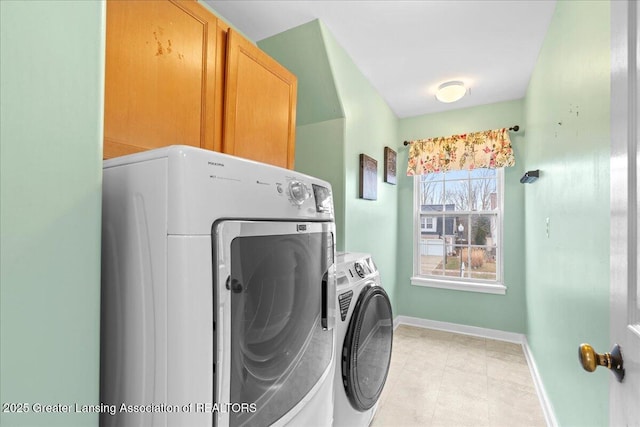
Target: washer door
{"x":366,"y":353}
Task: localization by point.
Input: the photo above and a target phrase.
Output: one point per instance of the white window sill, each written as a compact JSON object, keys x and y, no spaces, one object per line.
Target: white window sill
{"x":486,"y":288}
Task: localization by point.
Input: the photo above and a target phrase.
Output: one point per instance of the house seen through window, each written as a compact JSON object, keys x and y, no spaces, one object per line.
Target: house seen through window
{"x":458,"y":226}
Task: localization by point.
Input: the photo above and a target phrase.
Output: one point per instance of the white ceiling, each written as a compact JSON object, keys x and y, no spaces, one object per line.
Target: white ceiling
{"x":407,"y":48}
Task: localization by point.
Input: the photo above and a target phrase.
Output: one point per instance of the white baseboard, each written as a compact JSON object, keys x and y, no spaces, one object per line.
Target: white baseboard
{"x":547,"y":407}
{"x":494,"y":334}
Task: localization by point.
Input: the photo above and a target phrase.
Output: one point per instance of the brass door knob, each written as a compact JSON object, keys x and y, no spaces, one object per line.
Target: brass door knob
{"x":590,"y":360}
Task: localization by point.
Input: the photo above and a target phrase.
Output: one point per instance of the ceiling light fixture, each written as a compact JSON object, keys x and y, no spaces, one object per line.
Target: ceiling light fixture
{"x":450,"y":91}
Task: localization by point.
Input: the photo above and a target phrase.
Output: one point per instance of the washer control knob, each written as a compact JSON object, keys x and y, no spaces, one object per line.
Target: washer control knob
{"x":298,"y":192}
{"x":359,"y":269}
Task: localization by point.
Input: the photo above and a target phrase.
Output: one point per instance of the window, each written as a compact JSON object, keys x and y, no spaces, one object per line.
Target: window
{"x":458,"y":230}
{"x":428,"y":224}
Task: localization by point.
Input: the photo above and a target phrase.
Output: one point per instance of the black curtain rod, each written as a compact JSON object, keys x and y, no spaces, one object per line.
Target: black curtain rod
{"x":515,"y":128}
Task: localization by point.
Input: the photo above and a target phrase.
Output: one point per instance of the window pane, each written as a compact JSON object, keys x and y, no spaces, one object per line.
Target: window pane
{"x":456,"y":175}
{"x":483,"y":263}
{"x":431,"y":190}
{"x":475,"y":262}
{"x":453,"y":265}
{"x":457,"y":195}
{"x":483,"y":173}
{"x":483,"y":191}
{"x":460,"y":262}
{"x":461,"y":229}
{"x":484,"y":196}
{"x":432,"y":254}
{"x":484,"y":229}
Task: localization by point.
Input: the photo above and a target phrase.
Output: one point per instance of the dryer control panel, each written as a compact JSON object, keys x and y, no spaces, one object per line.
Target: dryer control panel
{"x":203,"y":186}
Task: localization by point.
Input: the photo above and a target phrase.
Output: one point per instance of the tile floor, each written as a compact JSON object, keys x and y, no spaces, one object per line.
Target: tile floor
{"x":444,"y":379}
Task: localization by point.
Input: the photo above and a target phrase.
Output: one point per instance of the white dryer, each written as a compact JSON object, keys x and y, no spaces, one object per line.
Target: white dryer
{"x":364,"y":332}
{"x":218,"y":292}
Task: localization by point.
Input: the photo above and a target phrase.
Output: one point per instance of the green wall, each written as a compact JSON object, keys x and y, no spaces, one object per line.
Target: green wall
{"x":303,"y":51}
{"x":320,"y":153}
{"x":320,"y":118}
{"x":51,"y":83}
{"x":340,"y":115}
{"x":502,"y":312}
{"x":370,"y":225}
{"x":567,"y":274}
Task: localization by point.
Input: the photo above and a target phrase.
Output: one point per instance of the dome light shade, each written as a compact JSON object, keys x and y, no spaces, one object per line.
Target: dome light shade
{"x":451,"y":91}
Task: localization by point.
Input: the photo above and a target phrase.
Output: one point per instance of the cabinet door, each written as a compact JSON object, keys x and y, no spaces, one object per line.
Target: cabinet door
{"x":160,"y":86}
{"x":260,"y":105}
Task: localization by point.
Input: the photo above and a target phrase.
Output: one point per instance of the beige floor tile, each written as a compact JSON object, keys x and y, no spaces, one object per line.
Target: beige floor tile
{"x":443,"y":379}
{"x":406,"y":344}
{"x":504,"y":347}
{"x":506,"y":370}
{"x":509,"y":393}
{"x":435,"y":334}
{"x":508,"y":357}
{"x":408,"y":331}
{"x":455,"y":409}
{"x":514,"y":405}
{"x":401,"y":417}
{"x":463,"y":384}
{"x":409,"y":402}
{"x":420,"y":381}
{"x":468,"y":359}
{"x":469,"y":341}
{"x":426,"y":355}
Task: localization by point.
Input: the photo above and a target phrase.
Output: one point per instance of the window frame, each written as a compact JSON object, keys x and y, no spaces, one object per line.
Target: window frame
{"x":461,"y":283}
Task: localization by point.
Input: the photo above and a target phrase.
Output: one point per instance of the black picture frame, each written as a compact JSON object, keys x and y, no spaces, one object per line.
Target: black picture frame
{"x":390,"y":166}
{"x":368,"y":178}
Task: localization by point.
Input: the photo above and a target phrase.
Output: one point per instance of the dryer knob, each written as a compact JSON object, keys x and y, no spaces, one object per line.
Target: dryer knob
{"x":298,"y":192}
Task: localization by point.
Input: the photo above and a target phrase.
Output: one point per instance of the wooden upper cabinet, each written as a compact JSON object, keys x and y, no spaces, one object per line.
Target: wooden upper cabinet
{"x":260,"y":105}
{"x":161,"y":80}
{"x":176,"y":74}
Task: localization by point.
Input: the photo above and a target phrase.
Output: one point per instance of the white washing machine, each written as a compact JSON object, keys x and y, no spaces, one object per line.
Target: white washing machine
{"x":218,"y":292}
{"x":364,"y":332}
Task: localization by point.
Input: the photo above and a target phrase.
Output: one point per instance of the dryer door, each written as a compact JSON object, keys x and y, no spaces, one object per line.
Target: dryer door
{"x":366,"y":353}
{"x":278,"y":339}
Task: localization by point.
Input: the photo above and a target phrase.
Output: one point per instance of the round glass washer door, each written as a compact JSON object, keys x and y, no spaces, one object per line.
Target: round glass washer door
{"x":367,"y":348}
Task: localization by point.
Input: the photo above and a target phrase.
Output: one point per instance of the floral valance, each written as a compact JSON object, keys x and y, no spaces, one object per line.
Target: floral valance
{"x":487,"y":149}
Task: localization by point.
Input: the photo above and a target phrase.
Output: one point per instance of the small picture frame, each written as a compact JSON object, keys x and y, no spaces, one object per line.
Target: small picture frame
{"x":389,"y":166}
{"x":368,"y":178}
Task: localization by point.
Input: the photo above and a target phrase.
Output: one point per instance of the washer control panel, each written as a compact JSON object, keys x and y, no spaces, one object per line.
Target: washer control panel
{"x":360,"y":270}
{"x":364,"y":267}
{"x":355,"y":271}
